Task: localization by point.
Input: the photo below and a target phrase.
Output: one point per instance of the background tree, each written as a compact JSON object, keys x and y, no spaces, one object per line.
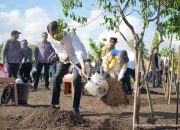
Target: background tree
{"x":1,"y":46}
{"x":164,"y":52}
{"x":159,"y":12}
{"x":96,"y":48}
{"x":155,"y":40}
{"x":145,"y":50}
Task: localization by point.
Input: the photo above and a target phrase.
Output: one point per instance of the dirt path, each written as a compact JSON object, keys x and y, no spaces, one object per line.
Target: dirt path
{"x":95,"y":114}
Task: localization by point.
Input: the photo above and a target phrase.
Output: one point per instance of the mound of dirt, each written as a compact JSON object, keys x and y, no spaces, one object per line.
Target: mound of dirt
{"x":50,"y":118}
{"x":115,"y":95}
{"x":114,"y":124}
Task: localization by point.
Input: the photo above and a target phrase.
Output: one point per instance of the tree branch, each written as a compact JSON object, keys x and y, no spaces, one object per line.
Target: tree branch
{"x":126,"y":5}
{"x":157,"y":16}
{"x":142,"y":33}
{"x":134,"y":10}
{"x":160,"y":41}
{"x":91,"y":20}
{"x":117,"y":28}
{"x":126,"y":21}
{"x":150,"y":20}
{"x":159,"y":27}
{"x":125,"y":39}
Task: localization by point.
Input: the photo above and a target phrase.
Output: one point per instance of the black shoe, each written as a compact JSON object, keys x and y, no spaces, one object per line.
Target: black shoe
{"x":55,"y":106}
{"x":76,"y":112}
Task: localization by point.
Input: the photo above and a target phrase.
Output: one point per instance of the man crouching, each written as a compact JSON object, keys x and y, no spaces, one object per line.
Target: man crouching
{"x":116,"y":65}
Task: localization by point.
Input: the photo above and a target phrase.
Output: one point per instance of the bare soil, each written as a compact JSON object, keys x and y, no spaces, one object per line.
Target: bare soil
{"x":95,"y":114}
{"x":115,"y":95}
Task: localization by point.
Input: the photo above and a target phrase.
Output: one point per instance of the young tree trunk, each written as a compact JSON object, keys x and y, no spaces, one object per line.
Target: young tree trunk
{"x":164,"y":81}
{"x":169,"y":73}
{"x":137,"y":95}
{"x":147,"y":89}
{"x":177,"y":88}
{"x":172,"y":72}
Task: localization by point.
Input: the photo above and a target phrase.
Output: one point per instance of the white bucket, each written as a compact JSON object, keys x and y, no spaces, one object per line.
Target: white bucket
{"x":19,"y":81}
{"x":97,"y":86}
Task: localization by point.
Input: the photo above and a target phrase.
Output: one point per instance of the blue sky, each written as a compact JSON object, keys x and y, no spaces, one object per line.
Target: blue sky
{"x":32,"y":16}
{"x":51,"y":7}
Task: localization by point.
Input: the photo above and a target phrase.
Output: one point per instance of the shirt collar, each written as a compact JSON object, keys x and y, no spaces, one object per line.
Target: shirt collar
{"x":53,"y":40}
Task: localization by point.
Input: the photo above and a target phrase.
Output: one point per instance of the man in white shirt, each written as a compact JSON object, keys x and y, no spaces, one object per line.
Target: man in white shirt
{"x":69,"y":48}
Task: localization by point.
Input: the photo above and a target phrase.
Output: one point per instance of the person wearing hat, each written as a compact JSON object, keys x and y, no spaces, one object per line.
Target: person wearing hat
{"x":26,"y":61}
{"x":116,"y":65}
{"x":109,"y":46}
{"x":68,"y":47}
{"x":12,"y":54}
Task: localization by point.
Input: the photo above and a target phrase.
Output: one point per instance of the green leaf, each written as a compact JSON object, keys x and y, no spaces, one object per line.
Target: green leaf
{"x":96,"y":48}
{"x":65,"y":12}
{"x":99,"y":3}
{"x":122,"y":1}
{"x":79,"y":20}
{"x":146,"y":23}
{"x":156,"y":39}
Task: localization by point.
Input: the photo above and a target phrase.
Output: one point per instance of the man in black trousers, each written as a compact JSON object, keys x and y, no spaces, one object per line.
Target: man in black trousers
{"x":26,"y":66}
{"x":12,"y":54}
{"x":43,"y":53}
{"x":155,"y":68}
{"x":68,"y":48}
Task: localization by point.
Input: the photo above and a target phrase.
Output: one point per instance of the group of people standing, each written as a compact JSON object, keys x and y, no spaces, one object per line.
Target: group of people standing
{"x":156,"y":69}
{"x":116,"y":64}
{"x":18,"y":57}
{"x":69,"y":49}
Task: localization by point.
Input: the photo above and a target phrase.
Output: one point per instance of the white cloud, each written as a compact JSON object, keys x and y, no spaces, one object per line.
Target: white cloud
{"x":97,"y":32}
{"x":125,"y":30}
{"x":31,"y":24}
{"x":91,"y":30}
{"x":166,"y":43}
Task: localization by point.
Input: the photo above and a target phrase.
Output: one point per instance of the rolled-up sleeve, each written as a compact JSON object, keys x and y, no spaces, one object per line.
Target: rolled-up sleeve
{"x":122,"y":72}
